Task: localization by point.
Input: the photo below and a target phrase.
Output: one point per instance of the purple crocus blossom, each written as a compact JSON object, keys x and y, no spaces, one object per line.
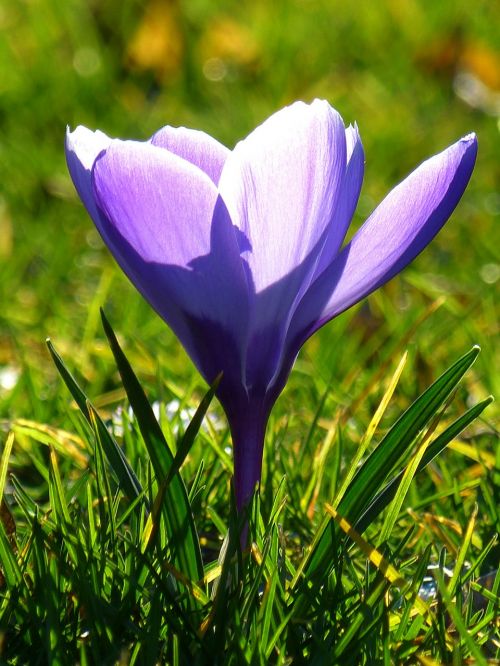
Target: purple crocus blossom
{"x":240,"y":251}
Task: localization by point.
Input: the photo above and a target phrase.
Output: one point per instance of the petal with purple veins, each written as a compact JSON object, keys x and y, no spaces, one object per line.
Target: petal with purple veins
{"x":282,"y":185}
{"x":346,"y":205}
{"x":394,"y":234}
{"x":169,"y":230}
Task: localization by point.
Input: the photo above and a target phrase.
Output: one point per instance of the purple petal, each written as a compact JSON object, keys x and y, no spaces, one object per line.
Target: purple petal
{"x":346,"y":205}
{"x":395,"y":233}
{"x":282,"y":185}
{"x":196,"y":147}
{"x":171,"y":233}
{"x":82,"y":147}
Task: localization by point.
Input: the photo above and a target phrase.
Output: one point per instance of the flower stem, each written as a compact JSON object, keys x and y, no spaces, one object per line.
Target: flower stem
{"x":248,"y":431}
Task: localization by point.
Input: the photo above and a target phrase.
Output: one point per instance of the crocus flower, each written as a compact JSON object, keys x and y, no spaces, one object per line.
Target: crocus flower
{"x":240,"y":251}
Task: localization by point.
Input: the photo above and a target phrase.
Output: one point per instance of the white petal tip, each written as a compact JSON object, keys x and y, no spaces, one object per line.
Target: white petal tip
{"x":86,"y":144}
{"x":469,"y":138}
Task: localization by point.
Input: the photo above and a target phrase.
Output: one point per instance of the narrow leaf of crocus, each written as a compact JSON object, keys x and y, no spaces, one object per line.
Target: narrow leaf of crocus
{"x":152,"y":522}
{"x":183,"y":450}
{"x":65,"y":443}
{"x":383,"y":366}
{"x":127,"y":479}
{"x":46,"y":575}
{"x":308,"y":497}
{"x":383,"y":459}
{"x":267,"y":608}
{"x":406,"y":479}
{"x":103,"y":485}
{"x":217,"y":520}
{"x":24,"y":501}
{"x":183,"y":538}
{"x":253,"y":589}
{"x":477,"y":566}
{"x":433,"y":450}
{"x":471,"y":451}
{"x":348,"y":644}
{"x":193,"y":588}
{"x":230,"y":551}
{"x":193,"y":428}
{"x":93,"y":532}
{"x":277,"y":634}
{"x":307,"y":442}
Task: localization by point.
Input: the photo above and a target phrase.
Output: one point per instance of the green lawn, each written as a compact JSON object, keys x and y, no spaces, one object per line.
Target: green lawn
{"x":415,"y":76}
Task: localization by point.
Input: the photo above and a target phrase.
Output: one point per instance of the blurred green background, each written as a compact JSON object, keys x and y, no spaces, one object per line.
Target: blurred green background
{"x":415,"y":75}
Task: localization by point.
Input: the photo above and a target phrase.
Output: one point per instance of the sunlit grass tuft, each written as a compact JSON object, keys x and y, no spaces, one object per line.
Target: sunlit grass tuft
{"x":155,"y":564}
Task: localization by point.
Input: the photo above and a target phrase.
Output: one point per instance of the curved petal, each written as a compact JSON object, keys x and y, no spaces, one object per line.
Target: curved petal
{"x":82,"y":146}
{"x":196,"y":147}
{"x":163,"y":220}
{"x":281,"y":186}
{"x":394,"y":234}
{"x":346,"y":205}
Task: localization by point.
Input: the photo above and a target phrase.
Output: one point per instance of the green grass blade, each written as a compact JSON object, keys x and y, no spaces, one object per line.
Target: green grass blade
{"x":46,"y":576}
{"x":385,"y":457}
{"x":355,"y":626}
{"x":315,"y":419}
{"x":104,"y":488}
{"x":183,"y":538}
{"x":282,"y":627}
{"x":25,"y":502}
{"x":267,"y":609}
{"x":127,"y":479}
{"x":4,"y":462}
{"x":433,"y":450}
{"x":459,"y":623}
{"x":400,"y":437}
{"x":372,"y":427}
{"x":408,"y":474}
{"x":412,"y":593}
{"x":464,"y":547}
{"x":192,"y":430}
{"x":9,"y":567}
{"x":58,"y":501}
